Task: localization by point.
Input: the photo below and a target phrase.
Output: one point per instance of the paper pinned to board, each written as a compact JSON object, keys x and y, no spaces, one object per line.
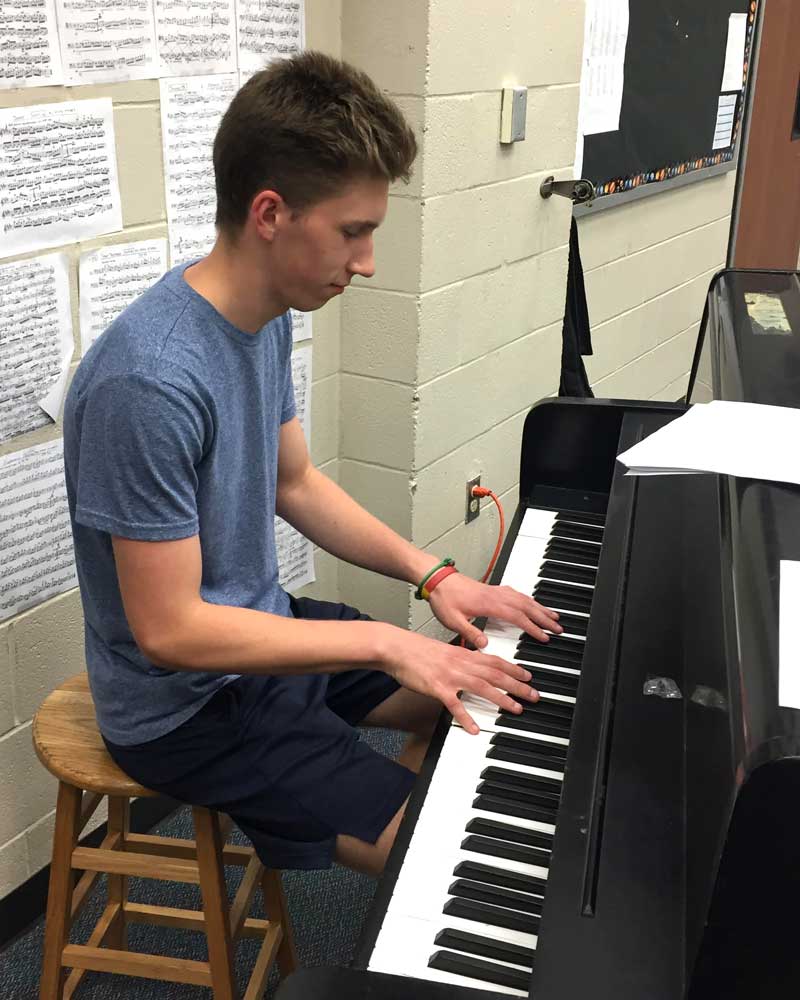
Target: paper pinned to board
{"x":733,"y":73}
{"x":789,"y":636}
{"x":751,"y":440}
{"x":726,"y":117}
{"x":603,"y":68}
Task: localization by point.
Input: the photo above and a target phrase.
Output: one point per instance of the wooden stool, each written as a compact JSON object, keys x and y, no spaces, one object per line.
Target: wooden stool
{"x":68,"y":743}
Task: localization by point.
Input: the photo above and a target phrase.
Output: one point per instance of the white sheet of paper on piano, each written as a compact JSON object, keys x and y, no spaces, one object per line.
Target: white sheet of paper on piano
{"x":789,"y":636}
{"x":751,"y":440}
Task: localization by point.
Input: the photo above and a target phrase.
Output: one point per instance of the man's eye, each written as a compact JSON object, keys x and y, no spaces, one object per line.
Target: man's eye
{"x":351,"y":234}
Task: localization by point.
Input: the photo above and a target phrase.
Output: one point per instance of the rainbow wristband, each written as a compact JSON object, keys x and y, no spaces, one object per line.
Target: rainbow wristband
{"x":423,"y":591}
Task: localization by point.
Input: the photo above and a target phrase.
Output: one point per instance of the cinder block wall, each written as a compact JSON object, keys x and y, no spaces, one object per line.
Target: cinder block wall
{"x":43,"y":646}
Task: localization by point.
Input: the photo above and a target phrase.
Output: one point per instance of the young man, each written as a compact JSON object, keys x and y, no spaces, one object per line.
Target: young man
{"x":211,"y":684}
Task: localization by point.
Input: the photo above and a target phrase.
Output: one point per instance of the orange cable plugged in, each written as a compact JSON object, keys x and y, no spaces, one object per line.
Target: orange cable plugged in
{"x":480,"y":492}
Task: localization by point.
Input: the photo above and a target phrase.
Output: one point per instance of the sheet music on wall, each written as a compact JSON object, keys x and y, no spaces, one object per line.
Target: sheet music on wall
{"x":268,"y":30}
{"x":36,"y":342}
{"x":29,"y":54}
{"x":35,"y":534}
{"x":295,"y":551}
{"x":111,"y":278}
{"x":196,"y":36}
{"x":301,"y":325}
{"x":191,"y":108}
{"x":103,"y":42}
{"x":58,"y":175}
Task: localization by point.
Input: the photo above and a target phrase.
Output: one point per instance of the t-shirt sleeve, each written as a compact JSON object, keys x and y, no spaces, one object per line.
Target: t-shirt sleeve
{"x":141,"y":442}
{"x":288,"y":408}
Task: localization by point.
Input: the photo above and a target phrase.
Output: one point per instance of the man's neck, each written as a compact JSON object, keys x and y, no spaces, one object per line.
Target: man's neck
{"x":235,"y":284}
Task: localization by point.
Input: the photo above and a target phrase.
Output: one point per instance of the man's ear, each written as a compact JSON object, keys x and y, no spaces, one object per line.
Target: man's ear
{"x":267,"y":212}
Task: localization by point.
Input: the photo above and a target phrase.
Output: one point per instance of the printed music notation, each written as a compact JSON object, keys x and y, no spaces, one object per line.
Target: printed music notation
{"x":191,"y":108}
{"x":29,"y":52}
{"x":102,"y":42}
{"x":111,"y":278}
{"x":36,"y":342}
{"x":268,"y":31}
{"x":301,"y":325}
{"x":58,"y":174}
{"x":35,"y":534}
{"x":196,"y":38}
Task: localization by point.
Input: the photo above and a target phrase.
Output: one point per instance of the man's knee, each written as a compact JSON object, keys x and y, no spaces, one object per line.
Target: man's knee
{"x":369,"y":859}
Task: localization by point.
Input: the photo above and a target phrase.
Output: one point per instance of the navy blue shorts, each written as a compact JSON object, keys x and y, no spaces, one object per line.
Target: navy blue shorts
{"x":281,"y":756}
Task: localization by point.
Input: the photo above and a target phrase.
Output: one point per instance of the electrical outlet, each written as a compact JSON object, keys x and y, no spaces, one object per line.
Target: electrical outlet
{"x":473,"y":508}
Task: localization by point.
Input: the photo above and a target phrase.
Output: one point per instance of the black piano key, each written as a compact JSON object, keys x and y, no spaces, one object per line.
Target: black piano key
{"x":583,"y":532}
{"x":580,"y":517}
{"x":566,"y":590}
{"x":582,"y":553}
{"x":576,"y":624}
{"x":539,"y":653}
{"x":547,"y":709}
{"x":477,"y":944}
{"x":535,"y":781}
{"x":503,"y":849}
{"x":506,"y":807}
{"x":530,"y":725}
{"x":469,"y":909}
{"x":529,"y":760}
{"x":551,"y":682}
{"x":553,"y":596}
{"x":478,"y":872}
{"x":575,"y":574}
{"x":504,"y":790}
{"x":529,"y":744}
{"x":497,"y":897}
{"x":557,"y":643}
{"x":476,"y":968}
{"x":505,"y":831}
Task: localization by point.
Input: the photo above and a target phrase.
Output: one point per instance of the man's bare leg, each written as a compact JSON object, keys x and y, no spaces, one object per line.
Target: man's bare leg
{"x":416,"y":715}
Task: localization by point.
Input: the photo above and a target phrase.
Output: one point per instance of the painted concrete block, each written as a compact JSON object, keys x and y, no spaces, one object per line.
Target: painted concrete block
{"x":326,"y":355}
{"x":439,"y":497}
{"x":397,"y":248}
{"x":27,"y":789}
{"x":377,"y":420}
{"x":636,"y":225}
{"x":469,"y":232}
{"x":461,"y":322}
{"x":383,"y":599}
{"x":651,"y":372}
{"x":14,"y":868}
{"x":49,"y":649}
{"x":386,"y":493}
{"x":477,"y":47}
{"x":379,"y":334}
{"x":137,"y":130}
{"x":388,"y":41}
{"x":7,"y":716}
{"x":325,"y":419}
{"x":462,"y":144}
{"x":453,"y":409}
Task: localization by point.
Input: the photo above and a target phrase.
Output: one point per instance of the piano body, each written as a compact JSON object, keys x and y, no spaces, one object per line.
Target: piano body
{"x":637,"y":833}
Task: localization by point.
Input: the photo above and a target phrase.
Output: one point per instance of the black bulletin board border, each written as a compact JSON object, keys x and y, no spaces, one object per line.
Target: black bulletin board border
{"x":673,"y":70}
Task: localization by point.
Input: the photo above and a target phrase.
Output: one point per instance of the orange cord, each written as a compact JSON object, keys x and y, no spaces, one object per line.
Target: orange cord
{"x":479,"y":492}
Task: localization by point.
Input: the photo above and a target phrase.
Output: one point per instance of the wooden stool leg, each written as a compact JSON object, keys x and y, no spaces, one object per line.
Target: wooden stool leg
{"x":215,"y":902}
{"x":119,"y":819}
{"x":59,"y":897}
{"x":278,"y":909}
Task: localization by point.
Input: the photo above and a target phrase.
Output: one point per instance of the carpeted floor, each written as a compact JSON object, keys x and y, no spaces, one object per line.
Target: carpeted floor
{"x":327,"y":907}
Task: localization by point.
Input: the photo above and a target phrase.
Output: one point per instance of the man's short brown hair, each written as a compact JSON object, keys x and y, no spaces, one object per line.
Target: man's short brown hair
{"x":305,"y":127}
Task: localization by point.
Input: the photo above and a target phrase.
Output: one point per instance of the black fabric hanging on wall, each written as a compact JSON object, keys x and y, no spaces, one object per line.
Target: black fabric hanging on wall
{"x":576,"y":334}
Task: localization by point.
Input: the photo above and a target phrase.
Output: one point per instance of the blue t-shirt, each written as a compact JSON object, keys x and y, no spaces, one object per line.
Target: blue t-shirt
{"x":171,"y":430}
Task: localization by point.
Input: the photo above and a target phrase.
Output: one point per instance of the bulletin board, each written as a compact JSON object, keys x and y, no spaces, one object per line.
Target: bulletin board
{"x":673,"y":101}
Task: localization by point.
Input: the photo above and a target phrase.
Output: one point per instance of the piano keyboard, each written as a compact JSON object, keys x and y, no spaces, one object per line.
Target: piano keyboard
{"x":467,"y":904}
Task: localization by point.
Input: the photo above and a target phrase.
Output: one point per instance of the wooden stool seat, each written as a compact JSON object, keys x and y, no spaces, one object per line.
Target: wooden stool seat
{"x":69,"y":744}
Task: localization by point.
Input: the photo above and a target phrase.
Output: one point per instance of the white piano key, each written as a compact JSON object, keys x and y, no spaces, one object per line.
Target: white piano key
{"x":485,"y":715}
{"x":405,"y":944}
{"x":537,"y":523}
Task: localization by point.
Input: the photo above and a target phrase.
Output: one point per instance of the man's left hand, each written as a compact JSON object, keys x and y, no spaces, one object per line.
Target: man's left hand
{"x":459,"y":598}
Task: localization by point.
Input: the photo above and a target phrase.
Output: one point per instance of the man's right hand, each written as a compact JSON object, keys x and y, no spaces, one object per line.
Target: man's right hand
{"x":442,"y":671}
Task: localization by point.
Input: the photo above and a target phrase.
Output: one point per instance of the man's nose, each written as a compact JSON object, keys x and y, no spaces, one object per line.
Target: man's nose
{"x":363,"y":264}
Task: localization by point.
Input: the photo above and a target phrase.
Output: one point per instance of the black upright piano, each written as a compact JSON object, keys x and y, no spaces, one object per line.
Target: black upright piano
{"x":635,"y":834}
